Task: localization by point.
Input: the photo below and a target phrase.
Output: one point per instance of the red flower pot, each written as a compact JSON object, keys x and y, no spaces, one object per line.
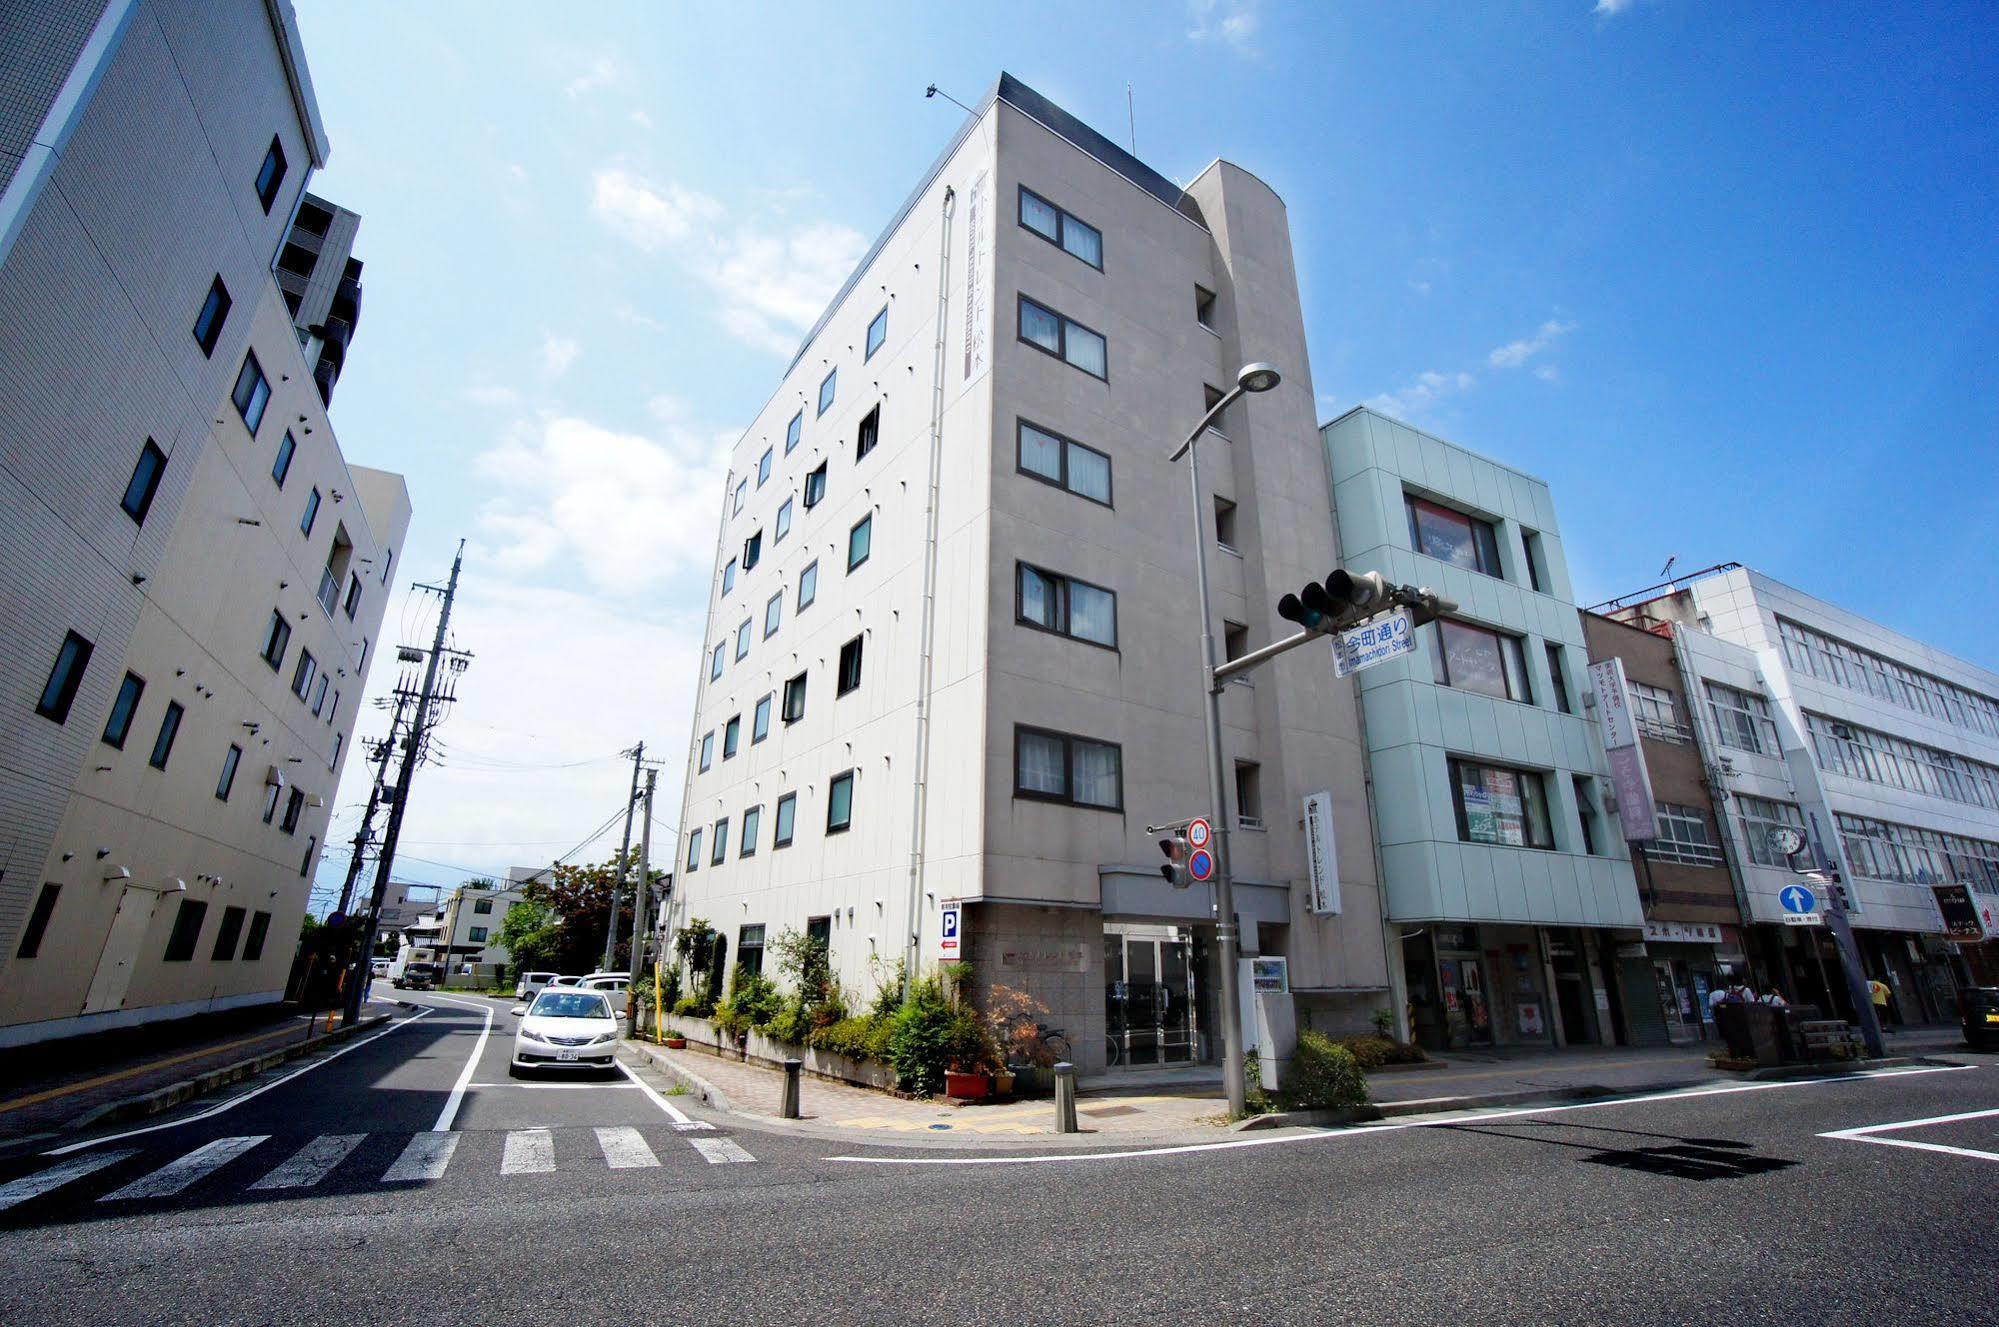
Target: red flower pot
{"x":966,"y":1087}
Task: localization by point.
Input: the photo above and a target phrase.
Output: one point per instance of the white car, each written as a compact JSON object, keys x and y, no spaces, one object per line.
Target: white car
{"x":611,"y":983}
{"x":531,"y":984}
{"x":564,"y":1027}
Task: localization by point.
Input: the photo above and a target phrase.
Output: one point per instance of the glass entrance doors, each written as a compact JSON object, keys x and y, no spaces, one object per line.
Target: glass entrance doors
{"x":1150,"y":995}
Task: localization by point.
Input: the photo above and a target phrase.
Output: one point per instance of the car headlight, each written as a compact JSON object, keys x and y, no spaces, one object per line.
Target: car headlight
{"x":603,"y":1037}
{"x":528,"y":1034}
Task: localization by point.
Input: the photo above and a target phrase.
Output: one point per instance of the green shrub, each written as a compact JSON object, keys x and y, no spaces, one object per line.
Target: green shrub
{"x":1324,"y":1075}
{"x":793,"y":1023}
{"x":864,"y":1037}
{"x":754,"y":1002}
{"x":692,"y":1006}
{"x":1372,"y":1052}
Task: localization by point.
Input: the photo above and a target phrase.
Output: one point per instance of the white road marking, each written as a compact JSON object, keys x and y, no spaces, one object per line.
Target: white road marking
{"x":177,"y":1175}
{"x":449,"y":1114}
{"x":674,"y":1112}
{"x":30,"y":1186}
{"x":1866,"y":1133}
{"x":625,"y":1149}
{"x":312,"y":1163}
{"x":236,"y":1101}
{"x":424,"y":1159}
{"x":562,"y":1087}
{"x":529,"y":1152}
{"x":720,"y":1151}
{"x":1396,"y":1126}
{"x":692,"y":1126}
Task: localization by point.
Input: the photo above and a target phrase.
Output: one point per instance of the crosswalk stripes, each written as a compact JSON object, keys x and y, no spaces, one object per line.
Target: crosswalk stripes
{"x":719,"y":1151}
{"x":424,"y":1159}
{"x":75,"y":1168}
{"x":529,"y":1152}
{"x":312,"y":1162}
{"x":177,"y":1175}
{"x":625,"y":1149}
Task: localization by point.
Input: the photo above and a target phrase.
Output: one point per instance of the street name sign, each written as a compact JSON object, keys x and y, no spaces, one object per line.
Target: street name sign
{"x":1375,"y":641}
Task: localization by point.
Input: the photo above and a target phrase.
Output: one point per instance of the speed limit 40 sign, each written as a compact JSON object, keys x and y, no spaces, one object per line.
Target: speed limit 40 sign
{"x":1199,"y":833}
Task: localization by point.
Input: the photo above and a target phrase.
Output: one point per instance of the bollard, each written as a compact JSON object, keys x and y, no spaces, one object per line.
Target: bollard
{"x":789,"y":1110}
{"x":1065,"y":1097}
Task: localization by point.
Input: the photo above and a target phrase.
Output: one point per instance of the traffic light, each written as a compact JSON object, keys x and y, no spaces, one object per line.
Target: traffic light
{"x":1174,"y":869}
{"x":1342,"y":598}
{"x":1426,"y":606}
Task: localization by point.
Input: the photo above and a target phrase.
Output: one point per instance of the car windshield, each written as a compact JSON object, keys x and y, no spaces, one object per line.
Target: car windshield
{"x":570,"y":1004}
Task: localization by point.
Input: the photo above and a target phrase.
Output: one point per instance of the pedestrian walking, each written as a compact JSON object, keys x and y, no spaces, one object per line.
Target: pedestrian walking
{"x":1877,"y":991}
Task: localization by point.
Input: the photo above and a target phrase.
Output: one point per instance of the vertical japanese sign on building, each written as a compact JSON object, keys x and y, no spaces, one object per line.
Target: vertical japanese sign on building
{"x":978,"y":281}
{"x":1637,"y":813}
{"x":1322,"y":857}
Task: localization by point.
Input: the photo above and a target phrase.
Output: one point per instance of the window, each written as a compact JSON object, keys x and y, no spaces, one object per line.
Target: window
{"x":282,"y":464}
{"x":271,"y":792}
{"x":743,"y":639}
{"x":1497,"y":805}
{"x":119,"y":725}
{"x":253,"y":945}
{"x":752,"y":823}
{"x":1877,"y":757}
{"x":1249,"y":794}
{"x":271,"y":174}
{"x":715,"y":664}
{"x":1759,"y":816}
{"x":860,"y":541}
{"x":753,"y":550}
{"x":319,"y":696}
{"x":763,"y":468}
{"x":750,"y":948}
{"x":1453,"y":537}
{"x":707,"y":750}
{"x":294,"y":807}
{"x":302,"y":675}
{"x":353,"y":600}
{"x":1742,"y":719}
{"x":840,"y":803}
{"x":1683,"y":837}
{"x":742,"y":491}
{"x":1059,"y":228}
{"x":38,"y":922}
{"x":1860,"y":670}
{"x":1065,"y":606}
{"x":729,"y":576}
{"x":694,"y":850}
{"x":1211,"y":396}
{"x":1656,"y":712}
{"x":1060,"y":461}
{"x":877,"y":333}
{"x":1558,"y":679}
{"x":1474,"y":659}
{"x":1586,"y":814}
{"x":869,"y":433}
{"x":230,"y":761}
{"x":787,"y":817}
{"x":794,"y":699}
{"x":1064,"y":338}
{"x":214,"y":312}
{"x":1204,"y":307}
{"x":477,"y":935}
{"x":808,"y":586}
{"x":1537,"y":567}
{"x":826,"y":390}
{"x":187,"y":929}
{"x":732,"y":733}
{"x":815,"y":486}
{"x":163,"y":745}
{"x":483,"y":907}
{"x":720,"y":852}
{"x":309,"y":856}
{"x":252,"y":393}
{"x":226,"y":935}
{"x":792,"y":432}
{"x":850,"y":667}
{"x":773,"y":614}
{"x":144,"y":483}
{"x":1235,"y":642}
{"x":59,"y":692}
{"x":783,"y":522}
{"x":277,"y":637}
{"x":1078,"y":771}
{"x":305,"y":522}
{"x":760,"y":721}
{"x":1225,"y":523}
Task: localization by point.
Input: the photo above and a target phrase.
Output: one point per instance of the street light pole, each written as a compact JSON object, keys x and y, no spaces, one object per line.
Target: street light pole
{"x":1253,"y":378}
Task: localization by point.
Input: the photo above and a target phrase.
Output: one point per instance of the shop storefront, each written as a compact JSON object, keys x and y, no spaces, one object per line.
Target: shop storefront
{"x":1473,"y":985}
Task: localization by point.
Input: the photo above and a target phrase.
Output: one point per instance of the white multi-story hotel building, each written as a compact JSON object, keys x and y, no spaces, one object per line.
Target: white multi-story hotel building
{"x":953,"y":654}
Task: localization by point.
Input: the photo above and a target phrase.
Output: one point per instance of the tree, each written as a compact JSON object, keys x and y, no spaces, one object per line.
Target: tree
{"x":530,"y":933}
{"x":579,"y":896}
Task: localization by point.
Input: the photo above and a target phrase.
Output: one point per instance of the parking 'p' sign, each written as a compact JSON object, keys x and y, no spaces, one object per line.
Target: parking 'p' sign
{"x":947,"y":931}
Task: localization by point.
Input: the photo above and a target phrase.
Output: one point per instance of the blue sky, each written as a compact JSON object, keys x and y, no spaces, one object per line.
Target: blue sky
{"x":1723,"y":274}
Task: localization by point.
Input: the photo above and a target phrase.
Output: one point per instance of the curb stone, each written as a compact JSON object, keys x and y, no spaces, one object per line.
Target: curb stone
{"x":694,"y":1083}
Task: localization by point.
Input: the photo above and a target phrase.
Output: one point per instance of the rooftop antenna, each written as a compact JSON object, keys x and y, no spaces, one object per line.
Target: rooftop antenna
{"x":1667,"y":570}
{"x":934,"y":91}
{"x":1132,"y":116}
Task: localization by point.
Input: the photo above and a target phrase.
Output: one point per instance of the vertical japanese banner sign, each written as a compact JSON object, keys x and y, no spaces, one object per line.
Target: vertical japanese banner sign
{"x":1637,"y":814}
{"x":977,"y":287}
{"x":1322,"y":857}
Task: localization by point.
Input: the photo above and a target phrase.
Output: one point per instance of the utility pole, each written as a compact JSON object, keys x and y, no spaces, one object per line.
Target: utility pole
{"x":413,"y":746}
{"x":624,"y":849}
{"x":366,"y":834}
{"x":641,"y":904}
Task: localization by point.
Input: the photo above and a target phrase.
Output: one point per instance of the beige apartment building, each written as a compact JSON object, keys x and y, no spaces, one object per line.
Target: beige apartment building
{"x":953,"y":663}
{"x":191,"y":575}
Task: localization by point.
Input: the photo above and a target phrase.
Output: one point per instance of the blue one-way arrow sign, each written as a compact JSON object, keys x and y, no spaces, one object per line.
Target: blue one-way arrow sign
{"x":1796,"y":898}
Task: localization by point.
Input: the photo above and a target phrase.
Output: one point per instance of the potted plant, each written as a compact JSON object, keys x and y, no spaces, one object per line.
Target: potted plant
{"x":967,"y":1084}
{"x":673,"y":1041}
{"x":1002,"y":1082}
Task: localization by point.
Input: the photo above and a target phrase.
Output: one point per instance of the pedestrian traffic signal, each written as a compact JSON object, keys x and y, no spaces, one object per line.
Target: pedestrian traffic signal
{"x":1341,"y":599}
{"x":1174,"y":870}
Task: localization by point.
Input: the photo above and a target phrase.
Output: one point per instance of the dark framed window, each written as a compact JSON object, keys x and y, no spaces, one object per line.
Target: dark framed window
{"x":1064,"y":605}
{"x":794,"y":699}
{"x":1478,"y":659}
{"x":303,"y":674}
{"x":144,"y":483}
{"x":305,"y":522}
{"x":1063,"y":337}
{"x":753,"y":550}
{"x":119,"y":725}
{"x":214,"y":312}
{"x":271,"y":794}
{"x":253,"y":944}
{"x":808,"y":586}
{"x":1225,"y":523}
{"x":477,"y":935}
{"x":277,"y":637}
{"x":860,"y":541}
{"x":707,"y":750}
{"x":827,"y":390}
{"x":1059,"y":767}
{"x":227,"y":934}
{"x":793,"y":431}
{"x":1500,"y":805}
{"x":1537,"y":567}
{"x":869,"y":433}
{"x":760,"y":720}
{"x":294,"y":808}
{"x":840,"y":803}
{"x":783,"y":527}
{"x":773,"y":614}
{"x":230,"y":760}
{"x":281,"y":464}
{"x":38,"y":921}
{"x":59,"y":692}
{"x":752,"y":824}
{"x":1063,"y":462}
{"x":187,"y":930}
{"x":743,"y":639}
{"x":815,"y":486}
{"x":877,"y":333}
{"x":728,"y":575}
{"x":1451,"y":536}
{"x":1061,"y":228}
{"x":742,"y":491}
{"x":271,"y":174}
{"x":1204,"y":307}
{"x":1558,"y":679}
{"x":763,"y":467}
{"x":750,"y":947}
{"x":319,"y":696}
{"x":720,"y":851}
{"x":1585,"y":813}
{"x":694,"y":850}
{"x":353,"y":600}
{"x":715,"y":663}
{"x":786,"y":822}
{"x":251,"y":393}
{"x":850,"y":667}
{"x":732,"y":736}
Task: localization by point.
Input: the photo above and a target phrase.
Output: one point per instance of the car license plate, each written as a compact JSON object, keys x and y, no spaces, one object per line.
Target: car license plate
{"x":1992,"y":1018}
{"x":565,"y":1055}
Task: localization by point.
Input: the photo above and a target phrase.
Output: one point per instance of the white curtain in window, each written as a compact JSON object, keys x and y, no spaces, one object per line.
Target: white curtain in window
{"x":1092,"y":614}
{"x":1086,"y":350}
{"x":1041,"y":327}
{"x":1039,"y":216}
{"x":1090,"y":474}
{"x":1041,"y":765}
{"x":1096,"y":774}
{"x":1037,"y":599}
{"x":1040,"y":453}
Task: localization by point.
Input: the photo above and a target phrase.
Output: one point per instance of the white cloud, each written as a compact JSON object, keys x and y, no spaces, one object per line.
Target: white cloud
{"x":1547,"y":372}
{"x":642,"y":120}
{"x":1516,"y":353}
{"x":602,"y":73}
{"x":558,"y":353}
{"x":1429,"y":387}
{"x":1611,"y":8}
{"x":1432,"y":385}
{"x":1233,"y":25}
{"x":650,"y":216}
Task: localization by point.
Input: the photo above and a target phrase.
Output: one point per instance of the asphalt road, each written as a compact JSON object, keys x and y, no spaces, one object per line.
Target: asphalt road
{"x":368,"y":1189}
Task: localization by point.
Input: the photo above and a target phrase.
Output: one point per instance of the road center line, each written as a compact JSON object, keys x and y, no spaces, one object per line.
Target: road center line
{"x":457,"y":1097}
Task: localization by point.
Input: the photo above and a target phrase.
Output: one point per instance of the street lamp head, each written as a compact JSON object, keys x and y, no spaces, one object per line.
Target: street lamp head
{"x":1258,"y":377}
